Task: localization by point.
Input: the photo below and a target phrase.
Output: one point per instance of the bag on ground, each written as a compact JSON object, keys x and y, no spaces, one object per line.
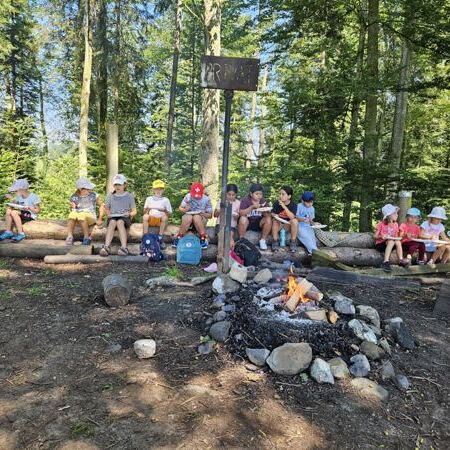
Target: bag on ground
{"x":247,"y":251}
{"x":151,"y":247}
{"x":189,"y":250}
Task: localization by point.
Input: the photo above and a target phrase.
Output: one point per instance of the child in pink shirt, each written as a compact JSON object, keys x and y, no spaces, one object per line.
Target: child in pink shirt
{"x":410,"y":230}
{"x":385,"y":231}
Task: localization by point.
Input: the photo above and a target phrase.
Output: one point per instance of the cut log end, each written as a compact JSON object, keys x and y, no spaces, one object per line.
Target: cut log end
{"x":117,"y":290}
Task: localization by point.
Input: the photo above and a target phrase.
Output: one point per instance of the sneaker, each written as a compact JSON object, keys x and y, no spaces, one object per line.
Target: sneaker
{"x":404,"y":262}
{"x":6,"y":235}
{"x":386,"y":266}
{"x":86,"y":241}
{"x":123,"y":251}
{"x":275,"y":246}
{"x":293,"y":247}
{"x":69,"y":240}
{"x":421,"y":262}
{"x":262,"y":244}
{"x":430,"y":262}
{"x":18,"y":237}
{"x":161,"y":241}
{"x":175,"y":242}
{"x":204,"y":243}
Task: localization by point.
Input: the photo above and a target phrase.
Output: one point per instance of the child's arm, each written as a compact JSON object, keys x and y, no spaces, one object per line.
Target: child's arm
{"x":378,"y":235}
{"x":133,"y":212}
{"x":184,"y":206}
{"x":289,"y":213}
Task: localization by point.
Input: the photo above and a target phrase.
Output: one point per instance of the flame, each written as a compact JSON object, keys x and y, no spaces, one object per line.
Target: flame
{"x":292,"y":285}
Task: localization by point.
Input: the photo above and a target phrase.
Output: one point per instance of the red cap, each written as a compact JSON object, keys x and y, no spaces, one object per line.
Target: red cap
{"x":197,"y":190}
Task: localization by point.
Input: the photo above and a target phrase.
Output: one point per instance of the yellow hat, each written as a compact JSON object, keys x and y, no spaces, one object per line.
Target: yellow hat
{"x":158,"y":184}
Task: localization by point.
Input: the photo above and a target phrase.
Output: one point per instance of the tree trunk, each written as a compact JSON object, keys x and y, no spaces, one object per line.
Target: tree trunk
{"x":38,"y":248}
{"x":250,"y":154}
{"x":173,"y":82}
{"x":112,"y":154}
{"x":262,"y":118}
{"x":209,"y":158}
{"x":85,"y":91}
{"x":42,"y":123}
{"x":116,"y":290}
{"x":370,"y":124}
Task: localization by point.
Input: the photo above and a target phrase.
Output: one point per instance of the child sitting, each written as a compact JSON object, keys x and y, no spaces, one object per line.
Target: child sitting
{"x":197,"y":209}
{"x":83,"y":203}
{"x":24,"y":208}
{"x":231,"y":198}
{"x":305,"y":216}
{"x":434,"y":229}
{"x":157,"y":210}
{"x":120,"y":208}
{"x":284,"y":208}
{"x":410,"y":230}
{"x":386,"y":229}
{"x":251,"y":218}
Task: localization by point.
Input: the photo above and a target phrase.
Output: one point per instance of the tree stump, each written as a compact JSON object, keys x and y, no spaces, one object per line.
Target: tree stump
{"x":117,"y":290}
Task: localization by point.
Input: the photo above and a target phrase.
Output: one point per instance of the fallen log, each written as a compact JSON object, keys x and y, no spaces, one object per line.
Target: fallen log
{"x":38,"y":248}
{"x":116,"y":290}
{"x":411,"y":271}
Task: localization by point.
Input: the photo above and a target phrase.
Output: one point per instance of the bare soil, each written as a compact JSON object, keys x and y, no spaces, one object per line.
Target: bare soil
{"x":64,"y":382}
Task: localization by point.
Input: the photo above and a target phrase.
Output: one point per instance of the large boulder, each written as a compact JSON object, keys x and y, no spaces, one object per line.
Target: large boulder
{"x":290,"y":358}
{"x":362,"y":331}
{"x":223,"y":284}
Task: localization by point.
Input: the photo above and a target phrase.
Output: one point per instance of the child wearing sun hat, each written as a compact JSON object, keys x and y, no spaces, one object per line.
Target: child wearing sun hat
{"x":409,"y":230}
{"x":433,"y":229}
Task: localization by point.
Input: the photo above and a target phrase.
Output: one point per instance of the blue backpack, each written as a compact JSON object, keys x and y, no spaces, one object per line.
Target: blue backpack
{"x":151,"y":247}
{"x":189,"y":250}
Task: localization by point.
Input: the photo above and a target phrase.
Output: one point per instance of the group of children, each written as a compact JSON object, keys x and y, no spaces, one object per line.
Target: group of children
{"x":406,"y":237}
{"x":252,"y":212}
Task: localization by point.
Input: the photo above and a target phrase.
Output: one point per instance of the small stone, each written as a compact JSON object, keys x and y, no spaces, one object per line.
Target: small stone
{"x":219,"y":331}
{"x":263,"y":276}
{"x":238,"y":273}
{"x":205,"y":348}
{"x":384,"y":344}
{"x":257,"y":356}
{"x":238,"y":337}
{"x":362,"y":331}
{"x":303,"y":377}
{"x":402,"y":335}
{"x":218,"y":302}
{"x":332,"y":316}
{"x":219,"y":316}
{"x":252,"y":367}
{"x":360,"y":366}
{"x":223,"y":284}
{"x":371,"y":350}
{"x":354,"y":347}
{"x":229,"y":308}
{"x":402,"y":382}
{"x":370,"y":314}
{"x":316,"y":314}
{"x":369,"y":389}
{"x":344,"y":306}
{"x":209,"y":321}
{"x":162,"y":281}
{"x":145,"y":348}
{"x":234,"y":298}
{"x":375,"y":330}
{"x":339,"y":368}
{"x":387,"y":371}
{"x":335,"y":296}
{"x":114,"y":348}
{"x":321,"y":372}
{"x":290,"y":358}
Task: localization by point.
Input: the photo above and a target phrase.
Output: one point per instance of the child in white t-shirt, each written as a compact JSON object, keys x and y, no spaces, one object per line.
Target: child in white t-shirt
{"x":157,"y":210}
{"x":434,"y":229}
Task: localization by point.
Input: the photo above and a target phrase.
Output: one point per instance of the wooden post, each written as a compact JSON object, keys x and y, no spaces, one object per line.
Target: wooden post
{"x":404,"y":202}
{"x":112,"y":153}
{"x":117,"y":290}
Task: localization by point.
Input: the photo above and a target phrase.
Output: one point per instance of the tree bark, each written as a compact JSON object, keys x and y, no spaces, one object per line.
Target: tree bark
{"x":262,"y":118}
{"x":85,"y":90}
{"x":209,"y":157}
{"x":250,"y":154}
{"x":38,"y":248}
{"x":112,"y":154}
{"x":370,"y":121}
{"x":42,"y":123}
{"x":116,"y":290}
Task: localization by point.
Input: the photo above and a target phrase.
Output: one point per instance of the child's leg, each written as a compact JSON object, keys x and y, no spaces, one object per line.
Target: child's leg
{"x":15,"y":215}
{"x":199,"y":225}
{"x":110,"y":232}
{"x":387,"y":252}
{"x":293,"y":225}
{"x":421,"y":250}
{"x":85,"y":227}
{"x":9,"y":219}
{"x":266,"y":225}
{"x":438,"y":253}
{"x":145,"y":220}
{"x":399,"y":249}
{"x":163,"y":225}
{"x":446,"y":255}
{"x":275,"y":230}
{"x":242,"y":226}
{"x":123,"y":235}
{"x":186,"y":222}
{"x":70,"y":227}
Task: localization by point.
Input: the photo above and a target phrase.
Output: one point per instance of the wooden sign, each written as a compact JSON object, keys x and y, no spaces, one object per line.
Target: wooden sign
{"x":237,"y":74}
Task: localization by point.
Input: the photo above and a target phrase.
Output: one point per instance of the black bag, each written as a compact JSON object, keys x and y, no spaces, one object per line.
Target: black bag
{"x":247,"y":251}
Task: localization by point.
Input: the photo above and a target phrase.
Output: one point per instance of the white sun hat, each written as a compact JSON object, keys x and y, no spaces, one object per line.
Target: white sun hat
{"x":20,"y":184}
{"x":84,"y":183}
{"x":389,"y":209}
{"x":438,"y":212}
{"x":119,"y":179}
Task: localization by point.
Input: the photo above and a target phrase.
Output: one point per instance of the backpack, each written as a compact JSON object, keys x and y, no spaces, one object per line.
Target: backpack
{"x":151,"y":247}
{"x":189,"y":250}
{"x":247,"y":251}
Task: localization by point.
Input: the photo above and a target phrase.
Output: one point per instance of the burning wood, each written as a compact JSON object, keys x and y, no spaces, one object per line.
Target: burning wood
{"x":297,"y":293}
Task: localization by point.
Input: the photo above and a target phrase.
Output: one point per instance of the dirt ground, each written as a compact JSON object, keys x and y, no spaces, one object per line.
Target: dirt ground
{"x":65,"y":383}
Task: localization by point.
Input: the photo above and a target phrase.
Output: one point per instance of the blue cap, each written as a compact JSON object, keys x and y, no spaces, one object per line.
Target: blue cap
{"x":413,"y":212}
{"x":308,"y":196}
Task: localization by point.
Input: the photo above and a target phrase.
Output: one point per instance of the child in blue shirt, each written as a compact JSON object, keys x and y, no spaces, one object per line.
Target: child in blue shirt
{"x":305,"y":215}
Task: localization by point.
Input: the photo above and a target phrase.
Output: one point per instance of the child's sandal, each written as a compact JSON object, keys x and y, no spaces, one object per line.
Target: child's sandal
{"x":105,"y":250}
{"x":123,"y":251}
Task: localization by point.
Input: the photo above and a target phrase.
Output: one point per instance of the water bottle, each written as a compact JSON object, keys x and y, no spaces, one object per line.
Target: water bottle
{"x":282,"y":237}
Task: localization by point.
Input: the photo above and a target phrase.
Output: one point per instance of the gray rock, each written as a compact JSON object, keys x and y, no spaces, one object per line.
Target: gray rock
{"x":218,"y":302}
{"x":229,"y":308}
{"x":266,"y":292}
{"x":161,"y":281}
{"x":362,"y":331}
{"x":402,"y":382}
{"x":370,"y":314}
{"x":290,"y":358}
{"x":384,"y":344}
{"x":145,"y":348}
{"x":114,"y":348}
{"x":200,"y":280}
{"x":375,"y":330}
{"x":220,"y":331}
{"x":219,"y":316}
{"x":335,"y":296}
{"x":223,"y":284}
{"x":257,"y":356}
{"x":371,"y":350}
{"x":402,"y":335}
{"x":263,"y":276}
{"x":238,"y":273}
{"x":317,"y":314}
{"x":321,"y":372}
{"x":344,"y":306}
{"x":360,"y":366}
{"x":393,"y":320}
{"x":339,"y":368}
{"x":209,"y":321}
{"x":369,"y":389}
{"x":387,"y":371}
{"x":205,"y":348}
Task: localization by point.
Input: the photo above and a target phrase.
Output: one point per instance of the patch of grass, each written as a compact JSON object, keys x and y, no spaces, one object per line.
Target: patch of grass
{"x":4,"y":264}
{"x":81,"y":429}
{"x":48,"y":272}
{"x":107,"y":387}
{"x":6,"y":294}
{"x":174,"y":272}
{"x":35,"y":290}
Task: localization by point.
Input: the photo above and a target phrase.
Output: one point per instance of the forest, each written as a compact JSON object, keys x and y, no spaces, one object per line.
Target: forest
{"x":353,"y":100}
